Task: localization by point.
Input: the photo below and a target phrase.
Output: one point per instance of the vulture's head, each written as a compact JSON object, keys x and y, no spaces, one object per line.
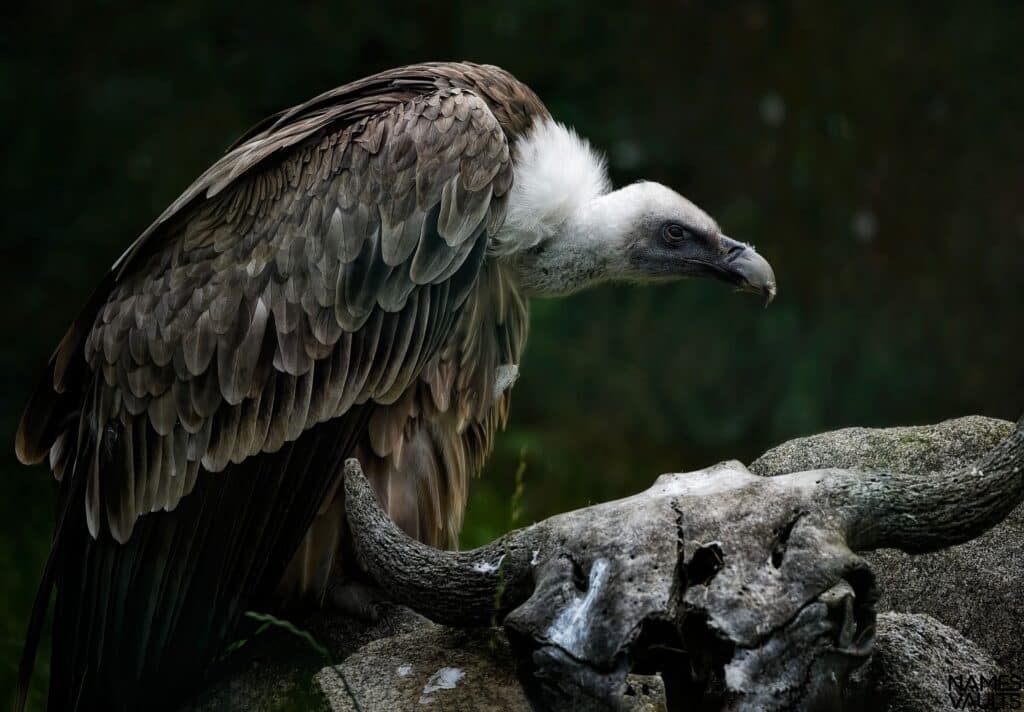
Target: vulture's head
{"x":663,"y":235}
{"x":568,"y":230}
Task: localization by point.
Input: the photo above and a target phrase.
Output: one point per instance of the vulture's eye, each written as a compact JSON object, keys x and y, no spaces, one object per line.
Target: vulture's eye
{"x":674,"y":232}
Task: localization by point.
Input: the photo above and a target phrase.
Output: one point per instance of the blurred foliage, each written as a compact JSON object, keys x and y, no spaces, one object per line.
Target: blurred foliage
{"x":873,"y":153}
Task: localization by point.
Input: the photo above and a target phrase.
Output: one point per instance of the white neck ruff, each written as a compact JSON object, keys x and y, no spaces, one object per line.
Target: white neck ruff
{"x":556,"y":173}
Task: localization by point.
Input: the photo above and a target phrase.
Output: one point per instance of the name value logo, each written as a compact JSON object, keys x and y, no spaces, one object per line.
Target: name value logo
{"x":982,"y":692}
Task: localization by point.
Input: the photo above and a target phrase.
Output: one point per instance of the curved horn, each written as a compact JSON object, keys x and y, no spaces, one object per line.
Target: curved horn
{"x":453,"y":587}
{"x":919,"y":514}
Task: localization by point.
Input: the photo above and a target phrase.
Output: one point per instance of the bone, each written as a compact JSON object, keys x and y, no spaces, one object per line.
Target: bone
{"x":459,"y":588}
{"x":727,"y":584}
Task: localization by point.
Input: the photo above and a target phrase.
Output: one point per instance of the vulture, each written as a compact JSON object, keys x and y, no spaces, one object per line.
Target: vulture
{"x":351,"y":279}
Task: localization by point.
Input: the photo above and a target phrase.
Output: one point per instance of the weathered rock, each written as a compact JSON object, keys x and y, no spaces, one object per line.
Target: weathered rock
{"x":975,"y":587}
{"x":432,"y":667}
{"x":441,"y":668}
{"x":405,"y":662}
{"x":343,"y":635}
{"x":426,"y":666}
{"x":920,"y":665}
{"x":274,"y":670}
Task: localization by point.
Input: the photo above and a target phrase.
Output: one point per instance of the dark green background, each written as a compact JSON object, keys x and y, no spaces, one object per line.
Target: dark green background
{"x":874,"y":153}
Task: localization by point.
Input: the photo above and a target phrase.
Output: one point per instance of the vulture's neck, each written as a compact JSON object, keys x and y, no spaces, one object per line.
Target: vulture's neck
{"x":588,"y":248}
{"x":564,"y":230}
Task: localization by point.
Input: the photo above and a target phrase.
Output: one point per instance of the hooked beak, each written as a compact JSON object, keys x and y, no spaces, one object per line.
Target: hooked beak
{"x":742,"y":266}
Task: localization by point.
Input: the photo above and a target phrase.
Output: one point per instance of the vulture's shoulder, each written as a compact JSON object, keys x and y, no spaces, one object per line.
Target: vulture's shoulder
{"x":319,"y":264}
{"x":346,"y":110}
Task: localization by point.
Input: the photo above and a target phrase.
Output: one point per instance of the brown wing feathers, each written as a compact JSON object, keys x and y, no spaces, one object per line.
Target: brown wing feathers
{"x":143,"y":620}
{"x":246,"y":297}
{"x":283,"y":290}
{"x":421,"y":451}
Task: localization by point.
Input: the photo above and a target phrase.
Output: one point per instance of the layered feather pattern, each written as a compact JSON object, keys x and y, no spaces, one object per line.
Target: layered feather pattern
{"x":320,"y":290}
{"x":239,"y":334}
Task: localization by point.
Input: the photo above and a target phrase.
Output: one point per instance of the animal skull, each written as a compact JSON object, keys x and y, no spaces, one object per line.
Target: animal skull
{"x":744,"y":593}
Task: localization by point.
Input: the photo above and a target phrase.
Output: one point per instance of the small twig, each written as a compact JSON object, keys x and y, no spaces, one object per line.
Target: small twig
{"x":516,"y":511}
{"x":268,"y":620}
{"x":517,"y":494}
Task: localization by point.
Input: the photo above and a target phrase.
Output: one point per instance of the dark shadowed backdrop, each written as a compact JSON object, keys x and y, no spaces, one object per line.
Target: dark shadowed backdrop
{"x":874,"y":154}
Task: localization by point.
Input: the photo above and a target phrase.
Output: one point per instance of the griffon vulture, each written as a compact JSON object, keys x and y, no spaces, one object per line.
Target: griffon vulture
{"x":351,"y":279}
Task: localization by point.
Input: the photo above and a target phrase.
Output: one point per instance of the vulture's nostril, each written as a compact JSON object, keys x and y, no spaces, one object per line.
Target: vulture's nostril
{"x":735,"y":251}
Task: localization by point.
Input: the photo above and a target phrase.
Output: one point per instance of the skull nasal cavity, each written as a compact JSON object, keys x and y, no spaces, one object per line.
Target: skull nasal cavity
{"x":579,"y":577}
{"x":782,"y":541}
{"x":705,"y":563}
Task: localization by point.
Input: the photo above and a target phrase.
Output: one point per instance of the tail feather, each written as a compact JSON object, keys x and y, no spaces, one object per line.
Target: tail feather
{"x":72,"y":491}
{"x":138,"y":624}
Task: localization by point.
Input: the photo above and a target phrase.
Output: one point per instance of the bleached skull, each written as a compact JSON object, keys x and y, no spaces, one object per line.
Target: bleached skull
{"x":743,"y":592}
